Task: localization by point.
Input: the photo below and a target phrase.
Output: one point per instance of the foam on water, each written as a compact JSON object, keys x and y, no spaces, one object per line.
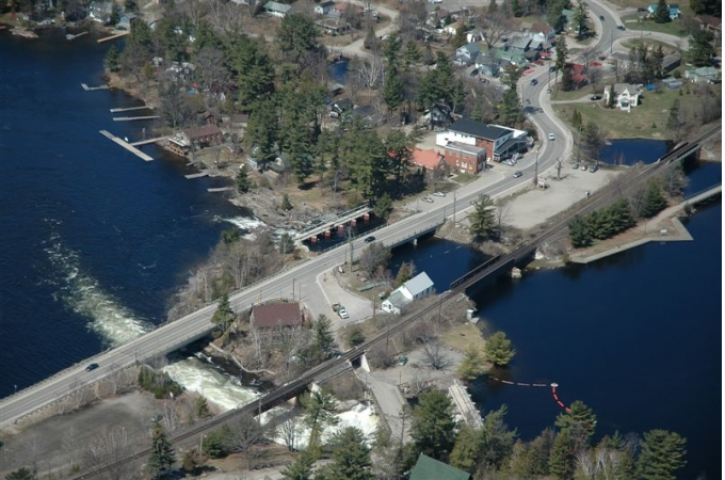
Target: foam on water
{"x":223,"y":390}
{"x":82,"y":293}
{"x":246,"y":223}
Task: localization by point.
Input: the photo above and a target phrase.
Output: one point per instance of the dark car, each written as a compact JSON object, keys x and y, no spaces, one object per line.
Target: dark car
{"x":370,"y":239}
{"x":534,"y":81}
{"x":92,"y":366}
{"x":621,"y":27}
{"x":601,"y":17}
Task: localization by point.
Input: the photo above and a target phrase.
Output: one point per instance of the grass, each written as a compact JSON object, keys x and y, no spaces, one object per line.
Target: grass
{"x":462,"y":337}
{"x":633,"y":22}
{"x":648,"y":120}
{"x":635,"y":42}
{"x":464,"y":177}
{"x":558,"y":94}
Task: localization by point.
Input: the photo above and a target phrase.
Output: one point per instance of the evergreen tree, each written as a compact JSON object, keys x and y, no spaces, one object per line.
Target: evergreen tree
{"x":510,"y":108}
{"x":201,"y":408}
{"x":383,"y":206}
{"x":701,"y":48}
{"x":459,"y":39}
{"x":162,"y":453}
{"x":593,"y":140}
{"x":319,"y":411}
{"x":579,"y":421}
{"x":539,"y":453}
{"x":111,"y":60}
{"x":405,"y":273}
{"x":433,"y":426}
{"x":472,"y":365}
{"x":296,"y":35}
{"x":663,"y":454}
{"x":324,"y":338}
{"x":391,"y":48}
{"x":561,"y":53}
{"x":567,"y":80}
{"x":662,"y":12}
{"x":300,"y":469}
{"x":242,"y":180}
{"x":497,"y":439}
{"x":115,"y":14}
{"x":581,"y":19}
{"x":371,"y":41}
{"x":498,"y":349}
{"x":286,"y":204}
{"x":261,"y":133}
{"x":612,"y":94}
{"x":482,"y":220}
{"x":654,"y":201}
{"x":576,"y":118}
{"x":411,"y":54}
{"x":214,"y":444}
{"x":393,"y":90}
{"x":515,"y":7}
{"x":467,"y":449}
{"x":351,"y":457}
{"x":580,"y":233}
{"x":561,"y":459}
{"x":224,"y":314}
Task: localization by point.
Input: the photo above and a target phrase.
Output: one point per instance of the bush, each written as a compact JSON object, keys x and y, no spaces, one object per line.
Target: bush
{"x":601,"y":224}
{"x":355,"y":337}
{"x":158,"y":383}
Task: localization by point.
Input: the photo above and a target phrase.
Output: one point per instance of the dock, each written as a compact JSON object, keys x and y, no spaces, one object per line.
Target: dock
{"x":197,"y":175}
{"x":463,"y":404}
{"x":221,"y":189}
{"x":91,"y":89}
{"x":128,"y":109}
{"x":113,"y":37}
{"x":70,"y":36}
{"x":150,"y":140}
{"x":126,"y":145}
{"x":131,"y":119}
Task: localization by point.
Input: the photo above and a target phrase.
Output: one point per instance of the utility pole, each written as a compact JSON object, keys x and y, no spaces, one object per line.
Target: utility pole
{"x":293,"y":289}
{"x":454,"y":207}
{"x":351,"y":241}
{"x":536,"y":168}
{"x":579,"y":149}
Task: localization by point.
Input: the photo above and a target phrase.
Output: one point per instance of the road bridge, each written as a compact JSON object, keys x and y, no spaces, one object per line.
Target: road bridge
{"x":351,"y":216}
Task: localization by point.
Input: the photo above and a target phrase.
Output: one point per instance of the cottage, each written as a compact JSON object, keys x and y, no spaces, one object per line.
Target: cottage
{"x":467,"y":54}
{"x":427,"y":468}
{"x":276,"y":316}
{"x":541,"y":33}
{"x":276,"y":9}
{"x":702,"y":74}
{"x":512,"y":57}
{"x":429,"y":159}
{"x":626,"y":96}
{"x":475,"y":35}
{"x":416,"y":288}
{"x":323,"y":8}
{"x":199,"y":136}
{"x":490,"y":65}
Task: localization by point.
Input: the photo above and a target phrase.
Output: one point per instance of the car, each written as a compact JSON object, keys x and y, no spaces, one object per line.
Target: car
{"x":91,"y":367}
{"x":552,"y":68}
{"x":473,"y":73}
{"x":593,"y":168}
{"x":594,"y":98}
{"x":621,"y":27}
{"x":156,"y":418}
{"x":575,"y":166}
{"x":534,"y":81}
{"x":427,"y":199}
{"x":370,"y":239}
{"x":551,"y":137}
{"x":601,"y":17}
{"x":343,"y":313}
{"x":584,"y":168}
{"x":518,"y":174}
{"x":439,"y":194}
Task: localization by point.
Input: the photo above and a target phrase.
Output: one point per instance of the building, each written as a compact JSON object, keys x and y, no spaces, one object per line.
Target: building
{"x":578,"y":73}
{"x":541,"y":33}
{"x":673,"y":8}
{"x":323,"y":8}
{"x":465,"y":158}
{"x":626,"y":96}
{"x":427,"y":468}
{"x":499,"y":142}
{"x":710,"y":23}
{"x":467,"y":54}
{"x":491,"y":66}
{"x":519,"y":44}
{"x":266,"y":318}
{"x":475,"y":35}
{"x":276,"y":9}
{"x":429,"y":159}
{"x":416,"y":288}
{"x":702,"y":74}
{"x":100,"y":11}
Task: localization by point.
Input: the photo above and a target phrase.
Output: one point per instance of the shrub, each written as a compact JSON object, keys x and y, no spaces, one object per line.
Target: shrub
{"x":158,"y":383}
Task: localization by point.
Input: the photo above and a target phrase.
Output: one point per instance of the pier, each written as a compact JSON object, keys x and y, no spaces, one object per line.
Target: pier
{"x":128,"y":109}
{"x":70,"y":36}
{"x":91,"y":89}
{"x":464,"y":405}
{"x":150,"y":140}
{"x":221,"y":189}
{"x":197,"y":175}
{"x":131,"y":119}
{"x":127,"y":146}
{"x":113,"y":37}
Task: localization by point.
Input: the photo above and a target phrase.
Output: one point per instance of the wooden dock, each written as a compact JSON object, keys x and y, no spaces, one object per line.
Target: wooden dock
{"x":91,"y":89}
{"x":221,"y":189}
{"x":150,"y":140}
{"x":203,"y":173}
{"x":113,"y":37}
{"x":128,"y":109}
{"x":131,"y":119}
{"x":127,"y":146}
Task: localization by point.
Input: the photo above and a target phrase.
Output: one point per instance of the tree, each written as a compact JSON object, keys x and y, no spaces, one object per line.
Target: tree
{"x":323,"y":335}
{"x":350,"y":455}
{"x":662,"y":12}
{"x":433,"y":426}
{"x":482,"y":219}
{"x":383,"y":207}
{"x":459,"y":39}
{"x":215,"y":444}
{"x":654,"y":201}
{"x":561,"y":458}
{"x":375,"y":256}
{"x":612,"y":94}
{"x":130,"y":6}
{"x":561,"y":54}
{"x":472,"y":365}
{"x":497,"y":439}
{"x":579,"y":233}
{"x":576,"y":118}
{"x":467,"y":449}
{"x":356,"y":336}
{"x":162,"y":453}
{"x":708,"y":7}
{"x":319,"y":410}
{"x":663,"y":453}
{"x":296,"y":35}
{"x":701,"y":48}
{"x":243,"y":182}
{"x":111,"y":60}
{"x":434,"y":356}
{"x":405,"y":273}
{"x":21,"y":474}
{"x":300,"y":469}
{"x":581,"y":19}
{"x":286,"y":243}
{"x":498,"y":349}
{"x":674,"y":120}
{"x":411,"y":55}
{"x":115,"y":14}
{"x":201,"y":408}
{"x":224,"y":314}
{"x":393,"y":90}
{"x":593,"y":139}
{"x":191,"y":461}
{"x":580,"y":421}
{"x":371,"y":42}
{"x":286,"y":204}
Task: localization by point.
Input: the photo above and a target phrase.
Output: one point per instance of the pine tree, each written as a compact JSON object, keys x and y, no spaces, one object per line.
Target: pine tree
{"x":472,"y":365}
{"x":224,"y":314}
{"x":351,"y":456}
{"x":300,"y":469}
{"x":663,"y":454}
{"x":580,"y":233}
{"x":580,"y":421}
{"x":467,"y":450}
{"x":201,"y":408}
{"x":405,"y":273}
{"x":561,"y":458}
{"x":433,"y":426}
{"x":459,"y":39}
{"x":498,"y":349}
{"x":654,"y":201}
{"x":162,"y":453}
{"x":561,"y":53}
{"x":286,"y":204}
{"x":482,"y":219}
{"x":701,"y":48}
{"x":111,"y":60}
{"x":662,"y":12}
{"x":243,"y":182}
{"x":411,"y":54}
{"x":393,"y":90}
{"x":576,"y":118}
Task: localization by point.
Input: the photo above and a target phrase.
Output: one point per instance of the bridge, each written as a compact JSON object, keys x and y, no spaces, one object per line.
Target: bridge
{"x":351,"y":216}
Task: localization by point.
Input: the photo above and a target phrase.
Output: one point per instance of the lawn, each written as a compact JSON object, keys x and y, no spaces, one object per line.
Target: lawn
{"x":633,"y":22}
{"x":635,"y":42}
{"x":648,"y":120}
{"x":557,"y":94}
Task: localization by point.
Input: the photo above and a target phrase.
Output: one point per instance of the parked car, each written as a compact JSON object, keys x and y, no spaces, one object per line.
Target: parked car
{"x":343,"y":313}
{"x":594,"y":98}
{"x":551,"y":137}
{"x":518,"y":174}
{"x":621,"y":27}
{"x":439,"y":194}
{"x":601,"y":17}
{"x":427,"y":199}
{"x":370,"y":239}
{"x":91,"y":367}
{"x":575,"y":166}
{"x":593,"y":168}
{"x":534,"y":81}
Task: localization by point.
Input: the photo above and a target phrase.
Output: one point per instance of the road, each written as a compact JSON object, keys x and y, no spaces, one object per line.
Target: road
{"x":171,"y":336}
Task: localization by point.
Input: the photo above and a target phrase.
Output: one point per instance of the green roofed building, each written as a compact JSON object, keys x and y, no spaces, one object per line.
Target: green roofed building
{"x":430,"y":469}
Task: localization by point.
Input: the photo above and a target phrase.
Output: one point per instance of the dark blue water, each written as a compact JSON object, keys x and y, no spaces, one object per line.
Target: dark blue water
{"x":94,"y":240}
{"x":633,"y":150}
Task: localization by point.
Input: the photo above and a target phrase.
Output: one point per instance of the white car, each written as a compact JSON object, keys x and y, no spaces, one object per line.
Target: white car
{"x":551,"y":137}
{"x":343,"y":313}
{"x":439,"y":194}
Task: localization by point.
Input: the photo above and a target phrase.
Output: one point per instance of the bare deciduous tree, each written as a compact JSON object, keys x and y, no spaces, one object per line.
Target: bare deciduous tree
{"x":434,"y":356}
{"x":289,"y":431}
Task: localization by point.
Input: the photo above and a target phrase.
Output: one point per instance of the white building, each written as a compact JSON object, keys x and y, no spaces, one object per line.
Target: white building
{"x":416,"y":288}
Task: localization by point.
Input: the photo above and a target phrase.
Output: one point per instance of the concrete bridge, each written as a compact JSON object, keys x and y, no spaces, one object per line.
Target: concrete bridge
{"x":351,"y":217}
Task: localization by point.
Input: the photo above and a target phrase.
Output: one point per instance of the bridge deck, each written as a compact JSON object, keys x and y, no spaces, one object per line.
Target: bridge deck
{"x":464,"y":405}
{"x":344,"y":218}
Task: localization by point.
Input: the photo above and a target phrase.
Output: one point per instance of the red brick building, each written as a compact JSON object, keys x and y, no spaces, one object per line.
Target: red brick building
{"x":465,"y":158}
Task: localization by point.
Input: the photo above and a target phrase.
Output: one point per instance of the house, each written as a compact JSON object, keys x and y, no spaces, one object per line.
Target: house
{"x":465,"y":158}
{"x":276,"y":9}
{"x":490,"y":65}
{"x":541,"y":33}
{"x":518,"y":44}
{"x":100,"y":11}
{"x":199,"y":136}
{"x":369,"y":117}
{"x":702,"y":74}
{"x":267,"y":318}
{"x":467,"y":54}
{"x":339,"y":9}
{"x":124,"y":22}
{"x":626,"y":96}
{"x":512,"y":57}
{"x":673,"y":8}
{"x":429,"y":159}
{"x":416,"y":288}
{"x":323,"y":8}
{"x":475,"y":35}
{"x":427,"y":468}
{"x":578,"y":74}
{"x":478,"y":134}
{"x":710,"y":23}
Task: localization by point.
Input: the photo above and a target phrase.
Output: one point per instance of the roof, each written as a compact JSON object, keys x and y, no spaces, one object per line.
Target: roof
{"x":621,"y":87}
{"x":471,"y":47}
{"x":462,"y":147}
{"x":397,"y":299}
{"x":713,"y":22}
{"x":277,"y":314}
{"x":478,"y":129}
{"x":427,"y":468}
{"x":202,"y":131}
{"x":540,"y":28}
{"x":277,"y":7}
{"x":426,"y":158}
{"x":418,"y":284}
{"x":519,"y":42}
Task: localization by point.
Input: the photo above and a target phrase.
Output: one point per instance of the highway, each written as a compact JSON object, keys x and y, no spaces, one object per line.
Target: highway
{"x":171,"y":336}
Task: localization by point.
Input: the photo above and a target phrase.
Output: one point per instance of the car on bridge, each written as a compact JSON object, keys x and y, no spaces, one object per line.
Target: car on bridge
{"x":91,"y":367}
{"x":370,"y":239}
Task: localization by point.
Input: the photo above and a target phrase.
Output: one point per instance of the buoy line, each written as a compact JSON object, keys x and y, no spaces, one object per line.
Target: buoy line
{"x":553,"y":386}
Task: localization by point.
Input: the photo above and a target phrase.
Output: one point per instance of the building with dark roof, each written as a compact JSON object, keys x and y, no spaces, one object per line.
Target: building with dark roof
{"x":276,"y":315}
{"x":474,"y":134}
{"x":427,"y":468}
